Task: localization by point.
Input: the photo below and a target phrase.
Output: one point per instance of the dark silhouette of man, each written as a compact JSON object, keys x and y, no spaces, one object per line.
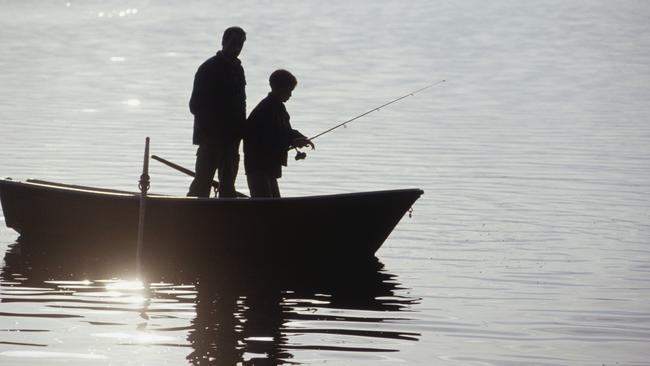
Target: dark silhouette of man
{"x":268,"y":137}
{"x":218,"y":104}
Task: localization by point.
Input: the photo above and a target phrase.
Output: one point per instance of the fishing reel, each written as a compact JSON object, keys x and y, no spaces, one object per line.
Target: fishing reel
{"x":300,"y":155}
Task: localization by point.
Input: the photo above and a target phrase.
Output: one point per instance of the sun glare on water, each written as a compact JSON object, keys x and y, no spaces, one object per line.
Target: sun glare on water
{"x":124,"y":285}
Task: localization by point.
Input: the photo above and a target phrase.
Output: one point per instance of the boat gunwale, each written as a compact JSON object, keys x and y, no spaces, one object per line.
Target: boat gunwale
{"x":109,"y":192}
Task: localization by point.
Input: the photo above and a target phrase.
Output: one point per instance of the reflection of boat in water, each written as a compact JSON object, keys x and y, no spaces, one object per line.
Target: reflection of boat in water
{"x":276,"y":315}
{"x":351,"y":225}
{"x":244,"y":312}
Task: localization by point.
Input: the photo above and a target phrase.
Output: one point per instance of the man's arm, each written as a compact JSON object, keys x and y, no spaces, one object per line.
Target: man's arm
{"x":206,"y":91}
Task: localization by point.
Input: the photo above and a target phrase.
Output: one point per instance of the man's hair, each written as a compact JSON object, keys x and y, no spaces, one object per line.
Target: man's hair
{"x":232,"y":31}
{"x":282,"y":79}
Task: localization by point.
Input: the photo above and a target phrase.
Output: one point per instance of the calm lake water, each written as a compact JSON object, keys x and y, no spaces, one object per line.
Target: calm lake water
{"x":530,"y":245}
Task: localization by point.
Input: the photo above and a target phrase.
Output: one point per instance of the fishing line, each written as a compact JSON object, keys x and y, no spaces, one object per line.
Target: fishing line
{"x":378,"y":108}
{"x":301,"y":155}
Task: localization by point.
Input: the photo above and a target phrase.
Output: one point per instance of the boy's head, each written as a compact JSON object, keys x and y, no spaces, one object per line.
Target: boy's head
{"x":282,"y":84}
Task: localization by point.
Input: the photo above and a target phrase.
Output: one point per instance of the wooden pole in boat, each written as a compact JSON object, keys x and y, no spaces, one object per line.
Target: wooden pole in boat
{"x":144,"y":187}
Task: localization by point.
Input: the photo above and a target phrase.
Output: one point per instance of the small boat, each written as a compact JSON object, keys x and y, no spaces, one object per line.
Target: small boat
{"x":347,"y":225}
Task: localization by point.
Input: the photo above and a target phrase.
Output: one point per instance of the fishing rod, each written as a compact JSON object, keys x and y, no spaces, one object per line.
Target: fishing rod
{"x":301,"y":155}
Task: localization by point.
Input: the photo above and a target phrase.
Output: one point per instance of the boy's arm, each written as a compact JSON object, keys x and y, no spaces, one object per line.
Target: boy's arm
{"x":300,"y":140}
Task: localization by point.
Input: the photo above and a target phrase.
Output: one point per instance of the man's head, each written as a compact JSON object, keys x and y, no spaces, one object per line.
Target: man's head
{"x":282,"y":84}
{"x":233,"y":41}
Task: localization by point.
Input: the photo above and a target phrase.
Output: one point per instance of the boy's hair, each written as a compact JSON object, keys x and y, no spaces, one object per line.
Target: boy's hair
{"x":232,"y":31}
{"x":282,"y":79}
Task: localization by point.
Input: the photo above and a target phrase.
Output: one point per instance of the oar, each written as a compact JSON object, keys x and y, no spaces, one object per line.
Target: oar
{"x":181,"y":169}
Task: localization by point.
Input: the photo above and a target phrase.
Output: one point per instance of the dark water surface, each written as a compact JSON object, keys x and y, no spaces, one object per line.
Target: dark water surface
{"x":529,"y":246}
{"x":222,"y":310}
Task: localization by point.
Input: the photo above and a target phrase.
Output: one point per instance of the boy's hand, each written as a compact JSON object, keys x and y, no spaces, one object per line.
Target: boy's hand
{"x":302,"y":142}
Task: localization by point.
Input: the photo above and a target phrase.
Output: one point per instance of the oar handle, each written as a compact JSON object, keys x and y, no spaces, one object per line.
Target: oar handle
{"x":181,"y":169}
{"x":178,"y":167}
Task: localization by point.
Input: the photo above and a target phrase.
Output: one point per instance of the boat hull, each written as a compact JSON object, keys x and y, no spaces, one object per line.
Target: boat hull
{"x":349,"y":225}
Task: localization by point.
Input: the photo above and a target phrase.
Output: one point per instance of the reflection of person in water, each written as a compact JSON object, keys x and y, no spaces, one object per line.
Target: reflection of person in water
{"x":265,"y":318}
{"x":234,"y":319}
{"x":214,"y":336}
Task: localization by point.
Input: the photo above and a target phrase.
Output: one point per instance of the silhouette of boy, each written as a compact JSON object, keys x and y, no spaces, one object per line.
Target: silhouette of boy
{"x":269,"y":136}
{"x":218,"y":104}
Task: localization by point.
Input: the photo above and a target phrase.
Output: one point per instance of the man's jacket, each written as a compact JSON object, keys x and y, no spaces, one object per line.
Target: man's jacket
{"x":218,"y":101}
